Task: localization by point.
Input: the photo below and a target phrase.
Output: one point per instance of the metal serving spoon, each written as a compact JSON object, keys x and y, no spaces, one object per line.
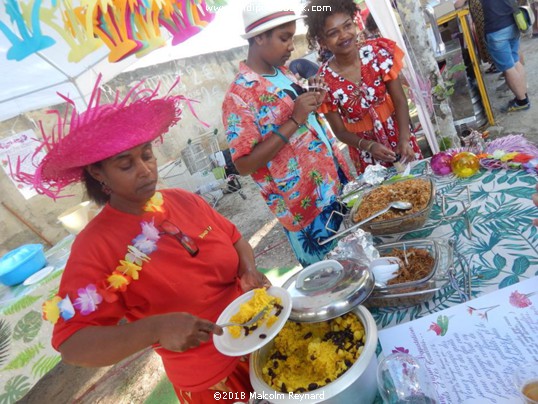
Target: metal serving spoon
{"x":400,"y":205}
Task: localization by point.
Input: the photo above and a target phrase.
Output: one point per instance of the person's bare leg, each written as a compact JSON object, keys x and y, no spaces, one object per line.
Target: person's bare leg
{"x":516,"y":81}
{"x":521,"y":70}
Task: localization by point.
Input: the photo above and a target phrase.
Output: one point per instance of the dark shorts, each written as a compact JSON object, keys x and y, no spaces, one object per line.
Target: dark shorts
{"x":503,"y":47}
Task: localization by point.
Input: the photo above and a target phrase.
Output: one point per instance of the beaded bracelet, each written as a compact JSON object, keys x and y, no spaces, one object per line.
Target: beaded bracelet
{"x":281,"y":136}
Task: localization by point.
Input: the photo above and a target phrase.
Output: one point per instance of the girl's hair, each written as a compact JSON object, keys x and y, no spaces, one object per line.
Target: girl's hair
{"x":318,"y":11}
{"x":94,"y":188}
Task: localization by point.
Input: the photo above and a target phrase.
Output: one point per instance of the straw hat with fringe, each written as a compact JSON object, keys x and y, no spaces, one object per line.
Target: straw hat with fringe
{"x":100,"y":132}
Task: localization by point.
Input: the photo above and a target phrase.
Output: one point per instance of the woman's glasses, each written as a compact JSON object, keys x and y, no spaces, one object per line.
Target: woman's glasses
{"x":186,"y":242}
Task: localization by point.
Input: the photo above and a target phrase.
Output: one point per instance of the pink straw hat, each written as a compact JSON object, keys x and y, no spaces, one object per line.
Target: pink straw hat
{"x":100,"y":132}
{"x":260,"y":16}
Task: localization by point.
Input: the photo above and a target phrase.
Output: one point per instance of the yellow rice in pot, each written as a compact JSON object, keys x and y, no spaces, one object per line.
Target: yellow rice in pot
{"x":306,"y":356}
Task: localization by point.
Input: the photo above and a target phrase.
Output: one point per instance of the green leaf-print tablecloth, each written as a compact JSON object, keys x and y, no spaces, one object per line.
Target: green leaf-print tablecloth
{"x":502,"y":249}
{"x":25,"y":351}
{"x":497,"y":242}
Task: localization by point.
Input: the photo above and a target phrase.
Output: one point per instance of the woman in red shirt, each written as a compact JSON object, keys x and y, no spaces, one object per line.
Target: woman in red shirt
{"x":163,"y":260}
{"x":365,"y":105}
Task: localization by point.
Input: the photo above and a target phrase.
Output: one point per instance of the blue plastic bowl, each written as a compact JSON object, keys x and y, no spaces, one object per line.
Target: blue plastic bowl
{"x":20,"y":263}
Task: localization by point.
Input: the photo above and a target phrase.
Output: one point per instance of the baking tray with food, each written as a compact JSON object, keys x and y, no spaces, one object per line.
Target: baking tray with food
{"x":427,"y":266}
{"x":419,"y":191}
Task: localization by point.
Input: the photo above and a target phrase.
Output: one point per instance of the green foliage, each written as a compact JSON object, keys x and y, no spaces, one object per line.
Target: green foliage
{"x":24,"y":357}
{"x":15,"y":389}
{"x":44,"y":365}
{"x":442,"y":92}
{"x":52,"y":293}
{"x":28,"y":327}
{"x":445,"y":143}
{"x":5,"y":339}
{"x":21,"y":304}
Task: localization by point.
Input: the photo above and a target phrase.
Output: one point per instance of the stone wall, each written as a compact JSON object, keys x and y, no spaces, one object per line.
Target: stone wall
{"x":204,"y":78}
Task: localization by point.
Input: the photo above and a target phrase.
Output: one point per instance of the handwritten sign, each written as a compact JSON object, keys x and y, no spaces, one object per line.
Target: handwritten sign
{"x":20,"y":146}
{"x":471,"y":350}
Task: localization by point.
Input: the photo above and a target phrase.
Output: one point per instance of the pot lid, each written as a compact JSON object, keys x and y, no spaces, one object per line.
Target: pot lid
{"x":328,"y":289}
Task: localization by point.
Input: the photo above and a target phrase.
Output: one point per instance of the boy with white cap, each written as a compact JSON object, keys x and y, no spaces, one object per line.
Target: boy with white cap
{"x":276,"y":136}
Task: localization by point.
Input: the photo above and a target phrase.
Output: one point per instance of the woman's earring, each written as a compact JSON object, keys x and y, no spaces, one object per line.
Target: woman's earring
{"x":105,"y":188}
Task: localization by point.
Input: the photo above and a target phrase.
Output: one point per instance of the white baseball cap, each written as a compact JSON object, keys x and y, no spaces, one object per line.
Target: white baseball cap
{"x":262,"y":15}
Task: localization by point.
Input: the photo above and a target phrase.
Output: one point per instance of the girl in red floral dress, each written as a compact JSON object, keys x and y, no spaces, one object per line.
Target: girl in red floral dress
{"x":365,"y":104}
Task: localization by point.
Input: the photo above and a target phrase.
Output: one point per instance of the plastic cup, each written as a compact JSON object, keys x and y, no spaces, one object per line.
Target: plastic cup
{"x":526,"y":380}
{"x":402,"y":379}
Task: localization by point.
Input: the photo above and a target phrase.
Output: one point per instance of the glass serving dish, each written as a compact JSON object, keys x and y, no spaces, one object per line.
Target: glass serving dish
{"x":406,"y":222}
{"x":417,"y":291}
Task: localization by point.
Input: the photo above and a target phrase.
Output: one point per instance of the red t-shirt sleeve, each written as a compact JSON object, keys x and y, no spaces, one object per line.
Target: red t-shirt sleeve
{"x":83,"y":269}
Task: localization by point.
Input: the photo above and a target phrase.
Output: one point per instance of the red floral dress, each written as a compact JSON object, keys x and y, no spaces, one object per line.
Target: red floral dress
{"x":366,"y":107}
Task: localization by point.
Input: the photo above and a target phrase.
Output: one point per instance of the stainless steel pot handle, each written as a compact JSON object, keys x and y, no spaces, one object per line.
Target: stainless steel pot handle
{"x":321,"y":275}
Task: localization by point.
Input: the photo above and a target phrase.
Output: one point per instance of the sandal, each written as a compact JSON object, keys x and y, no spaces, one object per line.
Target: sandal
{"x":492,"y":69}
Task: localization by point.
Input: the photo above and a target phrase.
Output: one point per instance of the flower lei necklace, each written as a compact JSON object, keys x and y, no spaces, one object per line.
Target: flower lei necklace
{"x":127,"y":271}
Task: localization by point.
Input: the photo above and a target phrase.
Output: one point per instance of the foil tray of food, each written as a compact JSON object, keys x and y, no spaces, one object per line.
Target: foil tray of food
{"x":419,"y":191}
{"x":426,"y":267}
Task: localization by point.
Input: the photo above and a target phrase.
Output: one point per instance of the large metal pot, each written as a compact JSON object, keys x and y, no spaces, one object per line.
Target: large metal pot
{"x":357,"y":385}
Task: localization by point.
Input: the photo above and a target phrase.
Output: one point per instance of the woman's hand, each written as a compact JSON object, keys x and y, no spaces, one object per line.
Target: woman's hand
{"x":249,"y":277}
{"x":380,"y":152}
{"x":305,"y":104}
{"x":253,"y":279}
{"x":406,"y":152}
{"x":179,"y":332}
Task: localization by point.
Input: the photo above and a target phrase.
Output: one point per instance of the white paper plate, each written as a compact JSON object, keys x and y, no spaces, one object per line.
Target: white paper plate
{"x":243,"y":345}
{"x":38,"y":276}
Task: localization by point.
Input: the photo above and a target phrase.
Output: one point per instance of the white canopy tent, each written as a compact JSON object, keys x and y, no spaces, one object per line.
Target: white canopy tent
{"x":32,"y":83}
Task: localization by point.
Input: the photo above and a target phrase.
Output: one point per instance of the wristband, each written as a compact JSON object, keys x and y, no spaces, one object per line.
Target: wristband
{"x":281,"y":136}
{"x":295,"y":121}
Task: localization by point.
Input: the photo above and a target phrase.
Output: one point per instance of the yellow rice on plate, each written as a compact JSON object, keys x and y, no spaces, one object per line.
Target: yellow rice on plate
{"x":306,"y":356}
{"x":253,"y":306}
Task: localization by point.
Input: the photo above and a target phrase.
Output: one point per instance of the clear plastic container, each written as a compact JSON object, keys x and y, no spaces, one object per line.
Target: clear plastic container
{"x":406,"y":222}
{"x":417,"y":291}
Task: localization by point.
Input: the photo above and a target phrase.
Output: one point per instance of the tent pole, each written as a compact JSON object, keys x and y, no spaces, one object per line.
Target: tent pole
{"x":27,"y":224}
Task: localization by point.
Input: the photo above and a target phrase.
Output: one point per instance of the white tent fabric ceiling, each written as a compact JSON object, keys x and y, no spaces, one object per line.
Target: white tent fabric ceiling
{"x":32,"y":83}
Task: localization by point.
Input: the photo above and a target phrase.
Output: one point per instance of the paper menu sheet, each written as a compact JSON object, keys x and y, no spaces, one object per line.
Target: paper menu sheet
{"x":472,"y":350}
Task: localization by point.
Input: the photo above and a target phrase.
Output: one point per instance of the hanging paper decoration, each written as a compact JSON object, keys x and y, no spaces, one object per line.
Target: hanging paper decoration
{"x":186,"y":20}
{"x":28,"y":38}
{"x":68,"y":22}
{"x":126,"y":27}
